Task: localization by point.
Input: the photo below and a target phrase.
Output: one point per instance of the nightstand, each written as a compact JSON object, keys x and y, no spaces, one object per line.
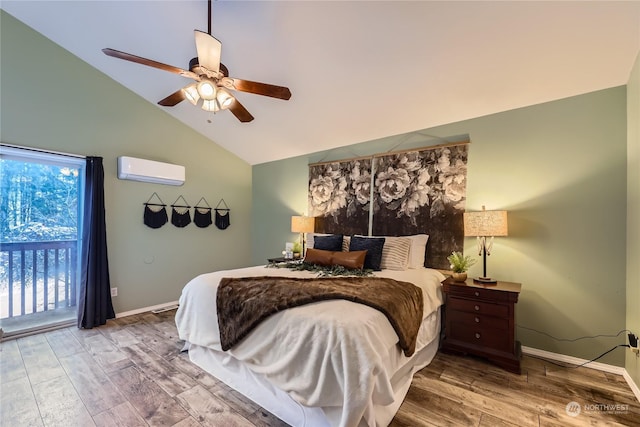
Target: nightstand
{"x":480,"y":320}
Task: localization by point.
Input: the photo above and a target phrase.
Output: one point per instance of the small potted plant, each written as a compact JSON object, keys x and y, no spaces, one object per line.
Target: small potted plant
{"x":297,"y":250}
{"x":460,"y":264}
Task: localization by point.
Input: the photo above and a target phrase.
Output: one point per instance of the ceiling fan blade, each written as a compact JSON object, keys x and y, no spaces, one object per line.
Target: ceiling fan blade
{"x":149,"y":62}
{"x":209,"y":49}
{"x":264,"y":89}
{"x":172,"y":99}
{"x":240,"y":112}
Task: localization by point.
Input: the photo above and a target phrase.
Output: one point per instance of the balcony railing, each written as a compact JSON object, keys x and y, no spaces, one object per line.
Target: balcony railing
{"x":37,"y":277}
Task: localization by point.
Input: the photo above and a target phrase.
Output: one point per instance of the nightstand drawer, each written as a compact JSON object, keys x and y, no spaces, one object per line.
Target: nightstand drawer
{"x":480,"y":336}
{"x":460,"y":304}
{"x":478,"y":293}
{"x":474,"y":320}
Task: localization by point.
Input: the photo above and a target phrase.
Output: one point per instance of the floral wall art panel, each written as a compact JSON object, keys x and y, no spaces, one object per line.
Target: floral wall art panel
{"x":422,"y":192}
{"x":340,"y":196}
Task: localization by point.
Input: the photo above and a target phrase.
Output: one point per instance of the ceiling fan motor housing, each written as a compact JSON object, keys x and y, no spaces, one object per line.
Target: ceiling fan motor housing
{"x":193,"y":64}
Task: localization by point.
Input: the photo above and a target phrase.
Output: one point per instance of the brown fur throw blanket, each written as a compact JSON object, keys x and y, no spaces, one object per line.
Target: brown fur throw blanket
{"x":244,"y":302}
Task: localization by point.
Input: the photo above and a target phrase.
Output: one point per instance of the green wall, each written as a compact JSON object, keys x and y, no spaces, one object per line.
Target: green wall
{"x":632,"y":362}
{"x":50,"y":99}
{"x":559,"y":168}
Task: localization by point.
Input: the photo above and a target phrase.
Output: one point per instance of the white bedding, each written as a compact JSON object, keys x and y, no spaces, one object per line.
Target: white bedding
{"x":337,"y":355}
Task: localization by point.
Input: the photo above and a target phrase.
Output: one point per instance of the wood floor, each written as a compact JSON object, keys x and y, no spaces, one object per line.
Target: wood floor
{"x":130,"y":373}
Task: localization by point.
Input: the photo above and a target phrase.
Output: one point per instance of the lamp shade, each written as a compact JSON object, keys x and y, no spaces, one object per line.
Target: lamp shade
{"x":303,"y":224}
{"x":210,"y":105}
{"x":485,"y":223}
{"x":224,"y":98}
{"x":206,"y":89}
{"x":191,"y":93}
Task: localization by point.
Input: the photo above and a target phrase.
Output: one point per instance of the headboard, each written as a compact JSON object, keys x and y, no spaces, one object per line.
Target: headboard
{"x":395,"y":194}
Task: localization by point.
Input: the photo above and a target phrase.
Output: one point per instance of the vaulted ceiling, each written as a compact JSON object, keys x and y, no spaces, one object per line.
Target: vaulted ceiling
{"x":358,"y":70}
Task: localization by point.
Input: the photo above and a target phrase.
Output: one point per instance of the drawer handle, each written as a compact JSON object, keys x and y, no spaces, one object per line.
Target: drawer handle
{"x":477,"y":307}
{"x":477,"y":320}
{"x":477,"y":335}
{"x":477,"y":294}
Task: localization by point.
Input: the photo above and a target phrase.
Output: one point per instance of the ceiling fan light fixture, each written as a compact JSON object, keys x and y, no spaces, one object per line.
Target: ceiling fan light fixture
{"x":191,"y":93}
{"x":210,"y":105}
{"x":224,"y":98}
{"x":212,"y":81}
{"x":207,"y":89}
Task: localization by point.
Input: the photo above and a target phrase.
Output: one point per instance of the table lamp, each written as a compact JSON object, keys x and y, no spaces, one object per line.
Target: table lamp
{"x":302,"y":225}
{"x":485,"y":225}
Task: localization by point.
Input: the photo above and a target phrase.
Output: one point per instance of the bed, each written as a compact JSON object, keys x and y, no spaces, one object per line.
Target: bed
{"x":327,"y":363}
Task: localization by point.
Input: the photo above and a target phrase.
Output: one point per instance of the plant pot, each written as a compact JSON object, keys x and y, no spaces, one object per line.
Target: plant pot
{"x":459,"y":277}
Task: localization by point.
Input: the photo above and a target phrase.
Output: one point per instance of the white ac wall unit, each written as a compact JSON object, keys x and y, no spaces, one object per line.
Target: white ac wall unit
{"x":143,"y":170}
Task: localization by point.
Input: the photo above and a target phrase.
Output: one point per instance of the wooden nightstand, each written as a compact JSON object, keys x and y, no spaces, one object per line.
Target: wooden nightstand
{"x":480,"y":320}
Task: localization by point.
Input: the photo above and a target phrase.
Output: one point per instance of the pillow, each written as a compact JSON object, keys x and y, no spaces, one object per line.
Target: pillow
{"x":418,"y":250}
{"x":353,"y":260}
{"x":373,"y":246}
{"x":311,"y":238}
{"x":395,"y":253}
{"x":331,"y":242}
{"x":309,"y":242}
{"x":346,"y":241}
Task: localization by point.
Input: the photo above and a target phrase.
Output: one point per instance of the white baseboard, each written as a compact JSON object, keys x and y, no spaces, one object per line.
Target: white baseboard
{"x":573,"y":360}
{"x":634,"y":387}
{"x":593,"y":365}
{"x":166,"y":305}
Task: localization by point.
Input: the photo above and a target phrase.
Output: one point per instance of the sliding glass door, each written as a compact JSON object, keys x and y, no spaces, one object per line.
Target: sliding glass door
{"x":40,"y":217}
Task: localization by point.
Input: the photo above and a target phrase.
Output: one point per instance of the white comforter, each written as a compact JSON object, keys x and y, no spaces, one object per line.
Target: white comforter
{"x":332,"y":354}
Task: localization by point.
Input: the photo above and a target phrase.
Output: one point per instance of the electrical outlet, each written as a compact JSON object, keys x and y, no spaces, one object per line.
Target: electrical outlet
{"x":633,"y":340}
{"x":114,"y":292}
{"x":633,"y":344}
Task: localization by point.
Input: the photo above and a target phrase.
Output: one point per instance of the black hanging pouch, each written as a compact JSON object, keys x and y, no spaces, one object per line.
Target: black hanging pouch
{"x":180,"y":216}
{"x":155,"y":214}
{"x":202,"y":214}
{"x":223,"y":219}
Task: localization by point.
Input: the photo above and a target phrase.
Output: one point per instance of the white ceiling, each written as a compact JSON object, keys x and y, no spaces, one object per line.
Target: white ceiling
{"x":358,"y":70}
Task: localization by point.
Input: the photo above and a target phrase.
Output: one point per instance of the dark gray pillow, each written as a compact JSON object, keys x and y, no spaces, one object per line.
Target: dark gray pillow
{"x":332,"y":242}
{"x":373,"y":246}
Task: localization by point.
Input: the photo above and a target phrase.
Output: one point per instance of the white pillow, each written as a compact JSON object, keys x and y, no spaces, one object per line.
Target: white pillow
{"x":395,"y":253}
{"x":418,"y":250}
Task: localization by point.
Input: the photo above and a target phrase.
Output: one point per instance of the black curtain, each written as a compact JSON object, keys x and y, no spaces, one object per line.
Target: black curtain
{"x":94,"y":302}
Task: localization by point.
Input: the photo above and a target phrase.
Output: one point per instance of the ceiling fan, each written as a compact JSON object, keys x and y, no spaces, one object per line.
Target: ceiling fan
{"x":212,"y":81}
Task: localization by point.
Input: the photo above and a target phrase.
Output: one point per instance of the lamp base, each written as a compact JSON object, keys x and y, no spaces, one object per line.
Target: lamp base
{"x":485,"y":280}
